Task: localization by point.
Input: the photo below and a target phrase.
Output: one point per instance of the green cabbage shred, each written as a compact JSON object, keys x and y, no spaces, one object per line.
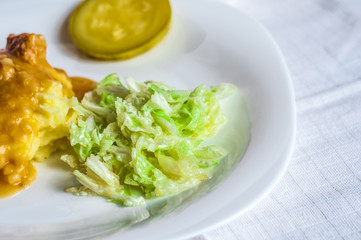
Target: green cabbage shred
{"x":144,"y":140}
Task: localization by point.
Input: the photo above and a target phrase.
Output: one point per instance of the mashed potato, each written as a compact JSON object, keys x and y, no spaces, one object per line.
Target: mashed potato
{"x":35,"y":110}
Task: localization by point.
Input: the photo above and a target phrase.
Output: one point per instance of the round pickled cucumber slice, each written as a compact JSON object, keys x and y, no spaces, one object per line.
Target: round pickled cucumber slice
{"x":119,"y":29}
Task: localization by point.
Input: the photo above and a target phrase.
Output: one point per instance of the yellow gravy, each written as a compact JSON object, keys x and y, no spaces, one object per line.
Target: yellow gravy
{"x":24,"y":127}
{"x":19,"y":84}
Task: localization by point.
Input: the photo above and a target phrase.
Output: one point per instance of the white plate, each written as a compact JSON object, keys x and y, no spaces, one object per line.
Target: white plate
{"x":209,"y":43}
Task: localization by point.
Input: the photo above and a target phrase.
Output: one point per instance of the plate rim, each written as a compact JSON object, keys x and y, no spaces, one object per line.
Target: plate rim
{"x":288,"y":152}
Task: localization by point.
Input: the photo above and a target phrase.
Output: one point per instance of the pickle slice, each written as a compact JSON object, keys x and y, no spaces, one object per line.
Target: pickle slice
{"x":119,"y":29}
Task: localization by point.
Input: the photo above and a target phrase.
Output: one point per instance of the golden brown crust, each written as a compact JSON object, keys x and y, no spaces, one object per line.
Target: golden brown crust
{"x":29,"y":47}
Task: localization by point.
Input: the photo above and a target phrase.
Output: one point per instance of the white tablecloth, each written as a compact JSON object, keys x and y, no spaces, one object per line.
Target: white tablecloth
{"x":319,"y":197}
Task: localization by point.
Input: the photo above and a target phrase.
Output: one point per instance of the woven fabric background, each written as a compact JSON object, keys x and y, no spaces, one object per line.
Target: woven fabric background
{"x":319,"y":197}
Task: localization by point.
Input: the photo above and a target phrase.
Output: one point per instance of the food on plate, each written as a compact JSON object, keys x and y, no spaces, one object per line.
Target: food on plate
{"x":129,"y":143}
{"x":36,"y":103}
{"x":119,"y":29}
{"x":144,"y":140}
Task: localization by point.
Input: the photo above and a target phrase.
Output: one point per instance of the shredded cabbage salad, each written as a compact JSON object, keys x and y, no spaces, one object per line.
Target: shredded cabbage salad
{"x":144,"y":140}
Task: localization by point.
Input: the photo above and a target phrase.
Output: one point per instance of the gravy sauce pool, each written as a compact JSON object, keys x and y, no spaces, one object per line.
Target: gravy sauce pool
{"x":81,"y":86}
{"x":7,"y":190}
